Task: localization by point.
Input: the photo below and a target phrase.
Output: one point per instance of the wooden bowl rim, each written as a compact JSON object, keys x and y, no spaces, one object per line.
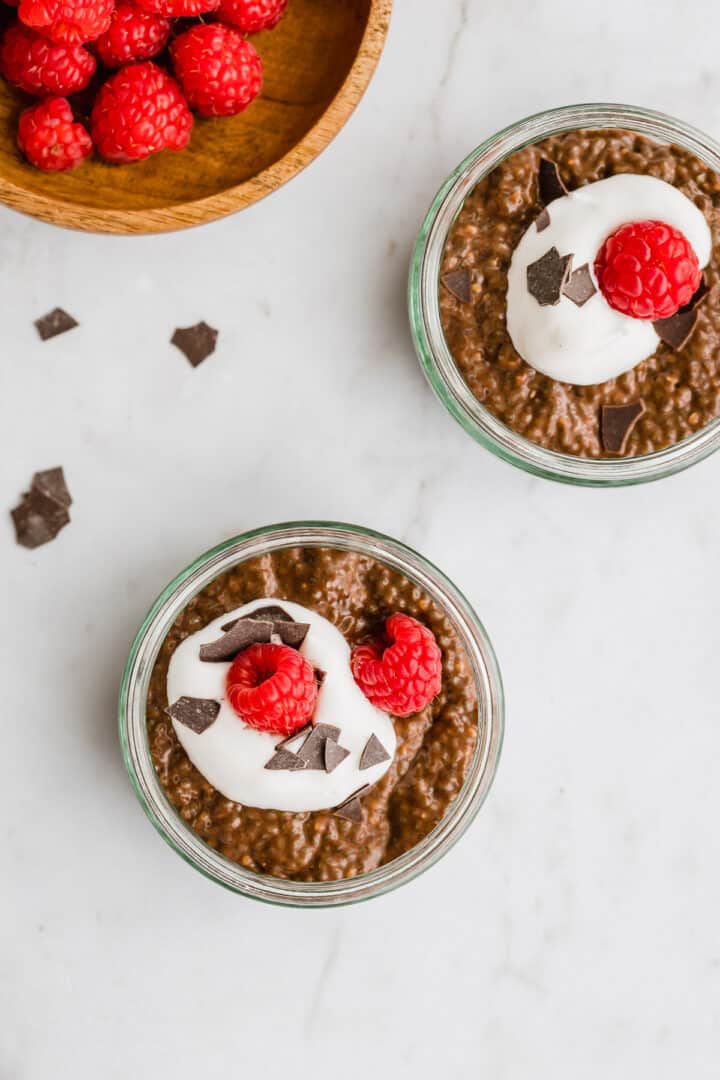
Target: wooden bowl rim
{"x":201,"y":211}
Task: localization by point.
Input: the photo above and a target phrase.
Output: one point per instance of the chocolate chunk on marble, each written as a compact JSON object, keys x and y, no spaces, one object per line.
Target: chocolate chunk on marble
{"x":580,"y":286}
{"x":550,"y":186}
{"x":542,"y":221}
{"x":677,"y":330}
{"x":548,"y":276}
{"x":458,"y":284}
{"x":43,"y":510}
{"x":373,"y":754}
{"x":617,"y":423}
{"x":334,"y":755}
{"x":312,"y":751}
{"x":53,"y":324}
{"x":51,"y":482}
{"x":195,"y":342}
{"x":284,"y":760}
{"x":198,"y":714}
{"x":241,"y":635}
{"x":351,"y":809}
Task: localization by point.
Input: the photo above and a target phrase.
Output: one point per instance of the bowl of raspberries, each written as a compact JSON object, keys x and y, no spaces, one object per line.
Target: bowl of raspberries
{"x":146,"y":115}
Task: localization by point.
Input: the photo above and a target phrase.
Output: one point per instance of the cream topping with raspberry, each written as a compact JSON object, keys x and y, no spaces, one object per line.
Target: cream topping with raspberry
{"x":591,"y":343}
{"x":233,"y":756}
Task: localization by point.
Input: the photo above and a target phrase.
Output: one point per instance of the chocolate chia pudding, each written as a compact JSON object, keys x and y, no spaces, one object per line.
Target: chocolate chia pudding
{"x":419,"y":777}
{"x":672,"y":389}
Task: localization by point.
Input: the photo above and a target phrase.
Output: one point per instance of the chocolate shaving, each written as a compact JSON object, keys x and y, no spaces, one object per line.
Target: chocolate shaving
{"x":198,"y":714}
{"x":542,"y":221}
{"x":458,"y":284}
{"x":272,"y":612}
{"x":195,"y":342}
{"x":295,"y":737}
{"x":550,"y":186}
{"x":243,"y":634}
{"x":334,"y":755}
{"x":285,"y":761}
{"x":677,"y":330}
{"x":290,"y":632}
{"x":54,"y":323}
{"x":580,"y":286}
{"x":703,"y":291}
{"x":351,"y":809}
{"x":43,"y":510}
{"x":373,"y":754}
{"x":616,"y":424}
{"x":312,"y":751}
{"x":548,"y":276}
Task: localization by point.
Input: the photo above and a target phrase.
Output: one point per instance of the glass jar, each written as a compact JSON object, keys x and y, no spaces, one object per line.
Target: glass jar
{"x":433,"y":353}
{"x":136,"y":679}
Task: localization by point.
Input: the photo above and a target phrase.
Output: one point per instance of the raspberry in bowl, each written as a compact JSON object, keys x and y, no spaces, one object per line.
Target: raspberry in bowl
{"x":563,"y":295}
{"x":228,"y":100}
{"x":311,"y":714}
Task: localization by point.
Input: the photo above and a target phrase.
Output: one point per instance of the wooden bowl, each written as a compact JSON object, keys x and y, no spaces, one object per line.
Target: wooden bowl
{"x":318,"y":63}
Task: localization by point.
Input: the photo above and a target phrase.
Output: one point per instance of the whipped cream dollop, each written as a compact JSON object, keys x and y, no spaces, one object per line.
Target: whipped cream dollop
{"x":591,"y":343}
{"x":233,"y":756}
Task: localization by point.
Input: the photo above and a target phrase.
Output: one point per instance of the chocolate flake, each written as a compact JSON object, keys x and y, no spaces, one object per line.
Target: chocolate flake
{"x":677,"y":330}
{"x":703,"y":291}
{"x":198,"y":714}
{"x":334,"y":755}
{"x":54,"y":323}
{"x":295,"y":737}
{"x":458,"y":284}
{"x":273,"y":612}
{"x":548,"y":276}
{"x":312,"y":751}
{"x":616,"y":424}
{"x":290,"y":632}
{"x":243,"y":634}
{"x":373,"y":754}
{"x":43,"y":510}
{"x":580,"y":286}
{"x":285,"y":761}
{"x":542,"y":221}
{"x":351,"y":809}
{"x":550,"y":186}
{"x":195,"y":342}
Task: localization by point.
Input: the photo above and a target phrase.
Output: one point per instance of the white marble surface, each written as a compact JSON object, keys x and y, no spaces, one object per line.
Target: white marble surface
{"x":574,"y":931}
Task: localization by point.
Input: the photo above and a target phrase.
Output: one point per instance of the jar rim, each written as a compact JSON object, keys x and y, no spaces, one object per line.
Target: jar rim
{"x":431,"y":347}
{"x":133,"y":724}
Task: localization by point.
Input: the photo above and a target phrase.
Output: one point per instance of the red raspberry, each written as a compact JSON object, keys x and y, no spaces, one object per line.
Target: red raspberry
{"x":272,"y":688}
{"x":647,"y":270}
{"x":139,"y":111}
{"x":71,"y":22}
{"x":178,"y":9}
{"x":402,"y":673}
{"x":220,"y":72}
{"x":49,"y":137}
{"x":133,"y":35}
{"x":37,"y":66}
{"x":250,"y":16}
